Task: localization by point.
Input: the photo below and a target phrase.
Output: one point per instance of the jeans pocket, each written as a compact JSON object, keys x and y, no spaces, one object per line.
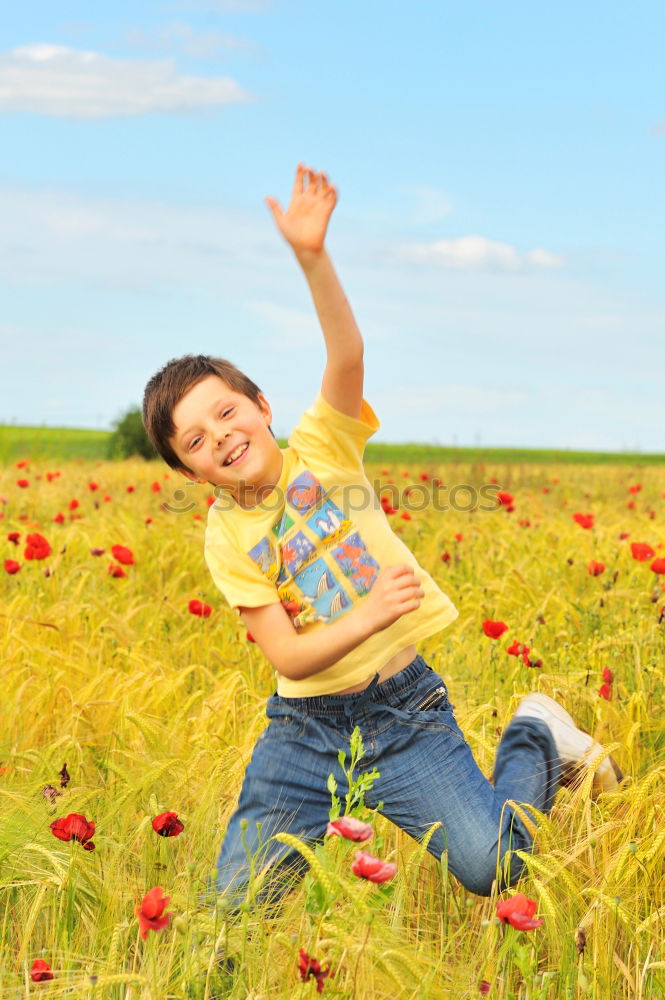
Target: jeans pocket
{"x":431,"y":693}
{"x":430,"y":709}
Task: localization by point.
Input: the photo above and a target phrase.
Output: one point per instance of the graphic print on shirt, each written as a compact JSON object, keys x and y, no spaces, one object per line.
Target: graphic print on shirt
{"x":328,"y":522}
{"x":323,"y":591}
{"x":304,"y":492}
{"x":280,"y":527}
{"x":296,"y":552}
{"x":265,"y":557}
{"x":356,"y":563}
{"x":320,"y":577}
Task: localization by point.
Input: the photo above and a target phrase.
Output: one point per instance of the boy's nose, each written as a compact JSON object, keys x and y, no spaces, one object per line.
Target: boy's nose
{"x":222,"y":433}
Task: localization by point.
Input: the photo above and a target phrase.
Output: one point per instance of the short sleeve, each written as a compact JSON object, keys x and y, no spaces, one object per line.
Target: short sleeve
{"x":325,"y":434}
{"x":237,"y":576}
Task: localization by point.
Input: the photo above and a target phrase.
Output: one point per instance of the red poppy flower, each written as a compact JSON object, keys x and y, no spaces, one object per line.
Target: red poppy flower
{"x":151,"y":914}
{"x":445,"y":557}
{"x":505,"y":499}
{"x":405,"y":515}
{"x":200,"y":609}
{"x":518,"y":911}
{"x":74,"y":504}
{"x":130,"y":489}
{"x":23,"y":483}
{"x":605,"y":691}
{"x":148,"y":520}
{"x":635,"y":489}
{"x":11,"y":566}
{"x":641,"y":551}
{"x":658,"y":566}
{"x":624,"y":535}
{"x":596,"y":568}
{"x":107,"y":499}
{"x":608,"y":676}
{"x":36,"y":547}
{"x":520,"y":649}
{"x":459,"y":536}
{"x":525,"y":523}
{"x":51,"y":476}
{"x":484,"y":988}
{"x":168,"y":825}
{"x":14,"y":537}
{"x":546,"y":489}
{"x":308,"y":966}
{"x":631,"y":505}
{"x":494,"y":630}
{"x":116,"y":571}
{"x":41,"y":971}
{"x":584,"y":520}
{"x":97,"y":552}
{"x":93,"y":486}
{"x":424,"y":476}
{"x":59,"y":519}
{"x":352,"y":829}
{"x":155,"y":487}
{"x":75,"y":827}
{"x":123,"y":555}
{"x":371,"y":868}
{"x":22,"y":464}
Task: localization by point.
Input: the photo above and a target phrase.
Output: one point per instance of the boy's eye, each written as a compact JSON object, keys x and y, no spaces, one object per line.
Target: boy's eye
{"x":224,"y":413}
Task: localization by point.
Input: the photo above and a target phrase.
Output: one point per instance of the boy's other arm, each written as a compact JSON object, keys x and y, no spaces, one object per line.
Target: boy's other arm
{"x":296,"y":655}
{"x":304,"y":226}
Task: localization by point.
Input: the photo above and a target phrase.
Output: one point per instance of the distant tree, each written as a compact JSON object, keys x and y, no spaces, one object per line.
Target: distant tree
{"x":129,"y":437}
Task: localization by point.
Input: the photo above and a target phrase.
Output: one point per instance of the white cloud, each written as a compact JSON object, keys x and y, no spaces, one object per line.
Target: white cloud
{"x":56,"y":80}
{"x":477,"y":253}
{"x":185,"y":38}
{"x":543,"y":258}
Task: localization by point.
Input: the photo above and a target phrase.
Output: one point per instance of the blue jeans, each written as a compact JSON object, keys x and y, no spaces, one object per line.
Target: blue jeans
{"x":427,"y":775}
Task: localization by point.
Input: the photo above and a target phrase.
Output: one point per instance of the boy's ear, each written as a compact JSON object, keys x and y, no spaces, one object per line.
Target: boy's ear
{"x":189,"y":476}
{"x":265,"y":408}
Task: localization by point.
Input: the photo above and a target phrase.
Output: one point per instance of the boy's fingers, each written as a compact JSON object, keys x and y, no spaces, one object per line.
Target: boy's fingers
{"x":275,"y":208}
{"x":299,"y":179}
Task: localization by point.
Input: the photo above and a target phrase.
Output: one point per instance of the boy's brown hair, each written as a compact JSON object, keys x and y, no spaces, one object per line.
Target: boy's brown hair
{"x":168,"y":386}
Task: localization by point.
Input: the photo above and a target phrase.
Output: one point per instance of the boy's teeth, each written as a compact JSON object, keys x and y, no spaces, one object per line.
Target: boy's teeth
{"x":235,"y":454}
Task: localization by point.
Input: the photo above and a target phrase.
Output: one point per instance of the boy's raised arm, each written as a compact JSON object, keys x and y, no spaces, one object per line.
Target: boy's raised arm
{"x":303,"y":225}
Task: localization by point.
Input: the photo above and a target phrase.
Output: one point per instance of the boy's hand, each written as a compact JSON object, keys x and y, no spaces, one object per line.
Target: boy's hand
{"x":396,"y":591}
{"x":305,"y":221}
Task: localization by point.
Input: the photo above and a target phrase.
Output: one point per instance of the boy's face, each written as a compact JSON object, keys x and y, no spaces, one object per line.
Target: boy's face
{"x":214,"y":422}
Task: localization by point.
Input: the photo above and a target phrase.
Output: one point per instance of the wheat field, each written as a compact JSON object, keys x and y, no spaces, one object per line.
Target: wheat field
{"x":154,"y":708}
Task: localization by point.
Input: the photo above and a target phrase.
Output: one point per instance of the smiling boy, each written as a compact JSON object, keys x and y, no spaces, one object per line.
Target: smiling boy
{"x":298,"y":543}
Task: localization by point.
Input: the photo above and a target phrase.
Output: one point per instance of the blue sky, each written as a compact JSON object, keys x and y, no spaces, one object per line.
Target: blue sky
{"x":500,"y":228}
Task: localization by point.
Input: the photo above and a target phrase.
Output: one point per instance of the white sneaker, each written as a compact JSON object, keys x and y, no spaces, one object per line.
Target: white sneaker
{"x":576,"y":749}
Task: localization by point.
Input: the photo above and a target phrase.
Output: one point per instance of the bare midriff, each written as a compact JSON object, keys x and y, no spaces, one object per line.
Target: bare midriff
{"x":393,"y":666}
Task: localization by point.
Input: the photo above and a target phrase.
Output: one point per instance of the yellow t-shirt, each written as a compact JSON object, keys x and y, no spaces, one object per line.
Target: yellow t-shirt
{"x":316,"y":544}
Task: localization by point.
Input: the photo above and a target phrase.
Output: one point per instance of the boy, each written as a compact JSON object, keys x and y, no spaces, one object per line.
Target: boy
{"x":298,"y":543}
